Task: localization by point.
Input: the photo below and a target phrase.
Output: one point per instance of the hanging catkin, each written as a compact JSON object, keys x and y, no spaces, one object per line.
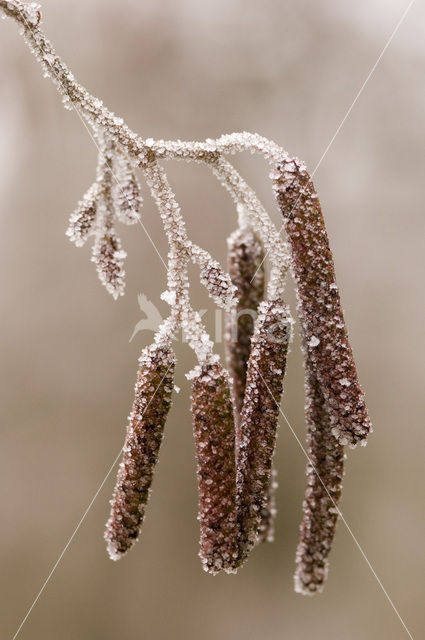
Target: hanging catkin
{"x":144,"y":435}
{"x":319,"y":307}
{"x":325,"y":469}
{"x":214,"y":433}
{"x":266,"y":369}
{"x":246,"y":269}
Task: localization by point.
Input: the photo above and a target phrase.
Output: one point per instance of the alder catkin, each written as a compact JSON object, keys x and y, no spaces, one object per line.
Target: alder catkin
{"x":325,"y":469}
{"x":214,"y":433}
{"x":259,"y":419}
{"x":82,"y":220}
{"x":246,"y":270}
{"x":144,"y":435}
{"x":319,"y":307}
{"x":108,"y":257}
{"x":126,"y":192}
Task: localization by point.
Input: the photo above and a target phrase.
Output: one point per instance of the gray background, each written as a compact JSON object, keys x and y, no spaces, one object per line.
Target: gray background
{"x":189,"y":69}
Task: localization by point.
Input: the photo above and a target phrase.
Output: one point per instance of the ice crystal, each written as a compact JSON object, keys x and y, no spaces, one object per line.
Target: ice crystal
{"x":235,"y":475}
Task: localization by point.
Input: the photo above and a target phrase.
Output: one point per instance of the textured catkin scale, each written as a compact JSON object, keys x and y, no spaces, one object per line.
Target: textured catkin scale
{"x":321,"y":317}
{"x":214,"y":433}
{"x":82,"y":220}
{"x":266,"y":528}
{"x":325,"y":470}
{"x":108,"y":257}
{"x":246,"y":270}
{"x":260,"y":412}
{"x":144,"y":435}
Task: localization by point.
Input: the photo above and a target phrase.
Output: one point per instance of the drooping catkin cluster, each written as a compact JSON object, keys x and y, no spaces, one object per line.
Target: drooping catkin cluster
{"x":213,"y":428}
{"x":141,"y":448}
{"x":234,"y":444}
{"x":113,"y":197}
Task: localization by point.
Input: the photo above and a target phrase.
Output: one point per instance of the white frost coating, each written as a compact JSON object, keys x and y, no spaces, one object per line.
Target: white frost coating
{"x":344,"y":382}
{"x":313,"y":342}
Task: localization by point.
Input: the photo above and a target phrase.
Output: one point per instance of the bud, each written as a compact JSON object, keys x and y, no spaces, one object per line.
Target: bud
{"x":325,"y":469}
{"x":82,"y":219}
{"x":213,"y":428}
{"x":259,"y":419}
{"x":109,"y":260}
{"x":144,"y":435}
{"x":319,"y":308}
{"x":216,"y":281}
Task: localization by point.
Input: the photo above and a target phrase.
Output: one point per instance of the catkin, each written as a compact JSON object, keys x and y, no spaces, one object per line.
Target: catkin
{"x":246,"y":269}
{"x":82,"y":220}
{"x":319,"y":307}
{"x":126,"y":192}
{"x":144,"y":435}
{"x":259,"y":419}
{"x":108,"y":257}
{"x":214,"y":433}
{"x":325,"y":469}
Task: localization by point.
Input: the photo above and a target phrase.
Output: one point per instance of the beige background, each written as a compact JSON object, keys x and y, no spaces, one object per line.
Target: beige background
{"x":191,"y":69}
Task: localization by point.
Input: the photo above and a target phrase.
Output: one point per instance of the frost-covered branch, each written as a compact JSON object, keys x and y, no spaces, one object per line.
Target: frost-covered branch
{"x":235,"y":439}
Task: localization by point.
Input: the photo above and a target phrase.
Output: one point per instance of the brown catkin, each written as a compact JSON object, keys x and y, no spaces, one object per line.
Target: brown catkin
{"x":325,"y":470}
{"x":319,"y":307}
{"x":246,"y":269}
{"x":214,"y":433}
{"x":144,"y":435}
{"x":260,"y":412}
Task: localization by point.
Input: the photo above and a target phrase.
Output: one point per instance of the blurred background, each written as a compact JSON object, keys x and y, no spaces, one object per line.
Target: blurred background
{"x":191,"y":70}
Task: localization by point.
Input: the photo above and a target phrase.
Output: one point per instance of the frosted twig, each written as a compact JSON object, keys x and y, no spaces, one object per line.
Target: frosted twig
{"x":235,"y":474}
